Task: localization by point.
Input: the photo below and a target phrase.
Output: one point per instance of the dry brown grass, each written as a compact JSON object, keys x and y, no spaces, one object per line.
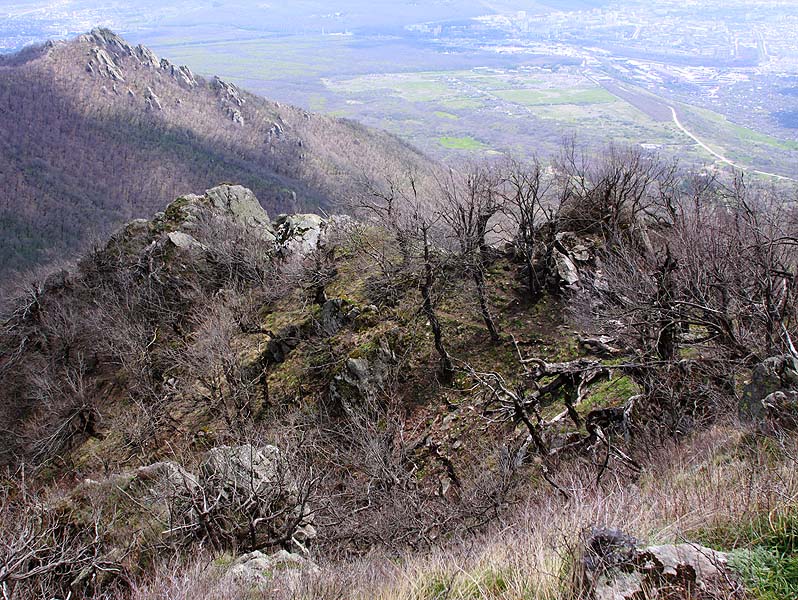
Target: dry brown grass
{"x":702,"y":489}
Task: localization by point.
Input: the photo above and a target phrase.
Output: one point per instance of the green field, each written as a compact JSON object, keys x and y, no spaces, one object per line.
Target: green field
{"x":534,"y":109}
{"x":577,"y":96}
{"x":461,"y":143}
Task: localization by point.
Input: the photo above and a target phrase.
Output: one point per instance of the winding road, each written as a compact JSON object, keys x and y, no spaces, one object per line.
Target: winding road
{"x":719,"y":156}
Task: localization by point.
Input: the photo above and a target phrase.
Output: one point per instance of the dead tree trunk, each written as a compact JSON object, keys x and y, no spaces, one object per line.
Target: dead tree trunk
{"x":428,"y":308}
{"x":479,"y":281}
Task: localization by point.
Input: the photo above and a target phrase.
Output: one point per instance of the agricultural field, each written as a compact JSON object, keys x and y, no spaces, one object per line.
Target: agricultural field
{"x":536,"y":109}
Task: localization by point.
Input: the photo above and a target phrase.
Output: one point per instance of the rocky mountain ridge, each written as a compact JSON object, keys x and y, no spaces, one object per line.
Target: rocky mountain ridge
{"x":139,"y":131}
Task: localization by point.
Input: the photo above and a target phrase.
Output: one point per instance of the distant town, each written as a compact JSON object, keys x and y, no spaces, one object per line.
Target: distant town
{"x":738,"y":58}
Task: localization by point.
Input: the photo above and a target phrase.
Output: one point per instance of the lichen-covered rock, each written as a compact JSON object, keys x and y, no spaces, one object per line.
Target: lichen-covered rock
{"x":239,"y":203}
{"x":257,"y":570}
{"x":777,"y":373}
{"x":614,"y":567}
{"x":299,"y":233}
{"x":363,"y":378}
{"x":244,"y":467}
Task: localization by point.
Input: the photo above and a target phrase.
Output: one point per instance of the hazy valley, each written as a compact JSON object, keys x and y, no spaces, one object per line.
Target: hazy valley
{"x":515,"y":77}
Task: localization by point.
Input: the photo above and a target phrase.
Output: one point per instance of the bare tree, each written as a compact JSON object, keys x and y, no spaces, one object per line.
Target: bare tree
{"x":399,"y":207}
{"x":469,"y":203}
{"x":533,"y":201}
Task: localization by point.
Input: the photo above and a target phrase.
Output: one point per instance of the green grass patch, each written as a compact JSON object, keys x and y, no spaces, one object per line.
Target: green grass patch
{"x":578,"y":96}
{"x":461,"y":143}
{"x":767,"y":574}
{"x":742,"y":134}
{"x":462,"y":103}
{"x":614,"y":392}
{"x":763,"y":551}
{"x":446,"y":115}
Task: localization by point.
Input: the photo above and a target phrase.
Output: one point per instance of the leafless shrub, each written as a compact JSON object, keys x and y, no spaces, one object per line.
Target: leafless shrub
{"x":533,"y":202}
{"x":469,"y":203}
{"x":42,"y":553}
{"x":406,"y":211}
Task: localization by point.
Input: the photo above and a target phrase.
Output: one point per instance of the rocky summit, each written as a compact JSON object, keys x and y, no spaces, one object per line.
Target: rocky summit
{"x":486,"y":394}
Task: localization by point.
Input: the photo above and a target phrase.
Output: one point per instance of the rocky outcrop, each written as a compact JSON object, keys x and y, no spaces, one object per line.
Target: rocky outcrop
{"x":107,"y":38}
{"x":107,"y":47}
{"x":232,"y":202}
{"x":565,"y":268}
{"x":182,"y":74}
{"x":614,"y":567}
{"x":195,"y":226}
{"x":146,"y":57}
{"x":335,"y":313}
{"x":257,"y":571}
{"x":231,"y":100}
{"x":363,"y":379}
{"x":151,"y":99}
{"x":241,"y":497}
{"x":239,"y":203}
{"x":775,"y":374}
{"x":104,"y":65}
{"x":257,"y":498}
{"x":299,"y":233}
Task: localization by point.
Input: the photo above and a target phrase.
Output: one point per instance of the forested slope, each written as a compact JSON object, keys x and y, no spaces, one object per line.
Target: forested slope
{"x":95,"y":132}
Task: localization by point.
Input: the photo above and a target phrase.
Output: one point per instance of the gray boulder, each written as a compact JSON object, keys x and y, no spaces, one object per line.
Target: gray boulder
{"x":257,"y":571}
{"x":299,"y":234}
{"x":183,"y":241}
{"x":362,"y":379}
{"x":566,"y":269}
{"x":333,"y":316}
{"x":777,"y":373}
{"x":241,"y":467}
{"x":230,"y":202}
{"x":257,"y":501}
{"x":239,"y":203}
{"x":613,"y":567}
